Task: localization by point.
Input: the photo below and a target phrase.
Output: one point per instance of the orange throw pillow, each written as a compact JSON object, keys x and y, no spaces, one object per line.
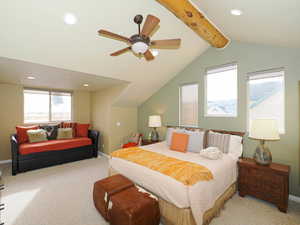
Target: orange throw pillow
{"x":179,"y":142}
{"x":82,"y":130}
{"x":22,"y":133}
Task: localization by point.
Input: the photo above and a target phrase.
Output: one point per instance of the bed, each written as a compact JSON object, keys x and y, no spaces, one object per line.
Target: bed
{"x":181,"y":204}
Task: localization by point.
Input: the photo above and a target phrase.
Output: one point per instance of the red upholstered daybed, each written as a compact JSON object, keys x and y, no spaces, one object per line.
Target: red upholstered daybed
{"x":29,"y":156}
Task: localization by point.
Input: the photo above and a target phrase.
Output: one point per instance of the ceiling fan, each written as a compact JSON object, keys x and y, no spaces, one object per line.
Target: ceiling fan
{"x":140,"y":43}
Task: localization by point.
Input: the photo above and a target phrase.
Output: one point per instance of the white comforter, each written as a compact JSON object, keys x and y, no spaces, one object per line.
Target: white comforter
{"x":199,"y":197}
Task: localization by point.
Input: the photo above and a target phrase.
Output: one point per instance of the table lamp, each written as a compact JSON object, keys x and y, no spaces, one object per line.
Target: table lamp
{"x":154,"y":122}
{"x":264,"y":130}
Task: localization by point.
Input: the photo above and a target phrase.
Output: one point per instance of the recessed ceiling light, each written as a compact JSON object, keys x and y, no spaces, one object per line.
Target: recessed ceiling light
{"x":86,"y":85}
{"x":236,"y":12}
{"x":154,"y":52}
{"x":31,"y":78}
{"x":70,"y":18}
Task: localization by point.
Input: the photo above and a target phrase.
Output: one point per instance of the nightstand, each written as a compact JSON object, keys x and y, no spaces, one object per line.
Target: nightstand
{"x":148,"y":142}
{"x":269,"y":183}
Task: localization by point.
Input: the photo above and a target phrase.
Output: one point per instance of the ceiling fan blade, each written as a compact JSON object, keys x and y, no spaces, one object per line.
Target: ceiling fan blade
{"x":148,"y":55}
{"x":113,"y":36}
{"x":150,"y":24}
{"x":120,"y":51}
{"x":168,"y":43}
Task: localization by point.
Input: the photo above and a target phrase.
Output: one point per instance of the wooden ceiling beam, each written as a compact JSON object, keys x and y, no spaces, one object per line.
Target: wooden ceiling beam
{"x":192,"y":17}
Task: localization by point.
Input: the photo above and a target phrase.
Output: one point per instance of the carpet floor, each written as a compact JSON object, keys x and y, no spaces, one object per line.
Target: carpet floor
{"x":62,"y":195}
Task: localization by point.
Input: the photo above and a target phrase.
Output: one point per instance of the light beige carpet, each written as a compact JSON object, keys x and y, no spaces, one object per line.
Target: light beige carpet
{"x":62,"y":195}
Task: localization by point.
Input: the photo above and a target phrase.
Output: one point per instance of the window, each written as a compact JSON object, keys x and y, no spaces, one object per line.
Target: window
{"x":221,"y":91}
{"x":46,"y":106}
{"x":189,"y":105}
{"x":266,"y":96}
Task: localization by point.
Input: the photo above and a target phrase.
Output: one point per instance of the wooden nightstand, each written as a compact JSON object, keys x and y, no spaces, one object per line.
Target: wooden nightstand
{"x":148,"y":142}
{"x":269,"y":183}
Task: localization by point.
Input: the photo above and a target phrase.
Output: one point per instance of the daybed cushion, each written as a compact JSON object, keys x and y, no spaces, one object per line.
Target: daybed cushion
{"x":28,"y":148}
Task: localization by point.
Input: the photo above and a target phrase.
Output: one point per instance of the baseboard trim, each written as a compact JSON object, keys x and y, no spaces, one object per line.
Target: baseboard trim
{"x":104,"y":154}
{"x":5,"y":161}
{"x":294,"y":198}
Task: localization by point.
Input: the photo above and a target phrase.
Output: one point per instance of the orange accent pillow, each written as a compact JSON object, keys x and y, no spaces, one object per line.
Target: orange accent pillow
{"x":22,"y":133}
{"x":82,"y":130}
{"x":179,"y":142}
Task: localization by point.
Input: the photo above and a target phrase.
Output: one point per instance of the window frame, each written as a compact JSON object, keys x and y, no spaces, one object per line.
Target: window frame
{"x":206,"y":88}
{"x":50,"y":106}
{"x":261,"y":72}
{"x":180,"y":91}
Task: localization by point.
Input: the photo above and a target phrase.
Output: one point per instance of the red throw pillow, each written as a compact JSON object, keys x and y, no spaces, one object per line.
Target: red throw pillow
{"x":22,"y":133}
{"x":179,"y":142}
{"x":129,"y":145}
{"x":82,"y":130}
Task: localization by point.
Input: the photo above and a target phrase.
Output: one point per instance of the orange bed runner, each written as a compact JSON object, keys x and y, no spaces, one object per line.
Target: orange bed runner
{"x":185,"y":172}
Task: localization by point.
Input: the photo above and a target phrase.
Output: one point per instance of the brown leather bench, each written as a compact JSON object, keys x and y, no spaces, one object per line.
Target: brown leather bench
{"x":121,"y":203}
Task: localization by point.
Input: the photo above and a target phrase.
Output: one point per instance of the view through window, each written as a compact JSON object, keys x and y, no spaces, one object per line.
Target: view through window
{"x":46,"y":106}
{"x":189,"y":105}
{"x":221,"y":91}
{"x":266,"y":97}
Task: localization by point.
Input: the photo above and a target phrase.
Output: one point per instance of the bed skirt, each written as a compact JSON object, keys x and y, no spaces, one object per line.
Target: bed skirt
{"x":172,"y":215}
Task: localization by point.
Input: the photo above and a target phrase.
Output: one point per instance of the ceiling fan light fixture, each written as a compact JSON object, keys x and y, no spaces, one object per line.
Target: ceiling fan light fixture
{"x":139,"y":47}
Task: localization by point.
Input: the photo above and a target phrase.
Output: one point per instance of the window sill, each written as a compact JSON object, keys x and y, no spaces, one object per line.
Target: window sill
{"x":221,"y":116}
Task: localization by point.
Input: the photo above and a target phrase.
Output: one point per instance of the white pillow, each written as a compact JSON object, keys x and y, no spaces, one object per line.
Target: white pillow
{"x":170,"y":134}
{"x":195,"y":141}
{"x":235,"y":145}
{"x":211,"y":153}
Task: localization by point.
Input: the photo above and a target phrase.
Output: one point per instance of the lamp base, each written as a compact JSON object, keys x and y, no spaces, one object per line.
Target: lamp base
{"x":154,"y":135}
{"x":262,"y":155}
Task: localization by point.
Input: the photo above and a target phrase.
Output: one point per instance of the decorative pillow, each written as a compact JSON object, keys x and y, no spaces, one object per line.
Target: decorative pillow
{"x":196,"y":139}
{"x":65,"y":133}
{"x":22,"y":133}
{"x":218,"y":140}
{"x":51,"y":131}
{"x":236,"y":145}
{"x":179,"y":142}
{"x":69,"y":125}
{"x":211,"y":153}
{"x":82,"y":130}
{"x":37,"y":135}
{"x":170,"y":133}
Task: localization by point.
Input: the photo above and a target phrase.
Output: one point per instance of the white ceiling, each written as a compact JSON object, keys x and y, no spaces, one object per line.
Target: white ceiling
{"x":271,"y":22}
{"x":16,"y":72}
{"x":34,"y":31}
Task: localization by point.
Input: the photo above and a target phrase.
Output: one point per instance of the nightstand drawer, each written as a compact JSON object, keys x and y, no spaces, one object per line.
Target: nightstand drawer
{"x":270,"y":183}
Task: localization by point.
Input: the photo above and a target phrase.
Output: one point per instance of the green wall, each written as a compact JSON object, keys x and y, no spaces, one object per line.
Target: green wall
{"x":250,"y":58}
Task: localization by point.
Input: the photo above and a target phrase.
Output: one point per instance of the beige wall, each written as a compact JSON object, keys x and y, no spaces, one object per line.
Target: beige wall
{"x":82,"y":106}
{"x":105,"y":117}
{"x":11,"y":114}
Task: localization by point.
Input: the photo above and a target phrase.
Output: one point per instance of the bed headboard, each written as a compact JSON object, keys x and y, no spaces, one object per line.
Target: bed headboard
{"x":238,"y":133}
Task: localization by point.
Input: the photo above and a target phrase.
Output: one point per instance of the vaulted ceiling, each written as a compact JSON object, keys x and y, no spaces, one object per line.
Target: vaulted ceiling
{"x":270,"y":22}
{"x":34,"y":31}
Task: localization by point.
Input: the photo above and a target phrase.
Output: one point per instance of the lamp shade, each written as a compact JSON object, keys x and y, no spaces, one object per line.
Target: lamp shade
{"x":154,"y":121}
{"x":264,"y":129}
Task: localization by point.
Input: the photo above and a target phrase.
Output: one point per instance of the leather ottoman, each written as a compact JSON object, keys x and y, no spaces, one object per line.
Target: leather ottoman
{"x":132,"y":207}
{"x":105,"y":188}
